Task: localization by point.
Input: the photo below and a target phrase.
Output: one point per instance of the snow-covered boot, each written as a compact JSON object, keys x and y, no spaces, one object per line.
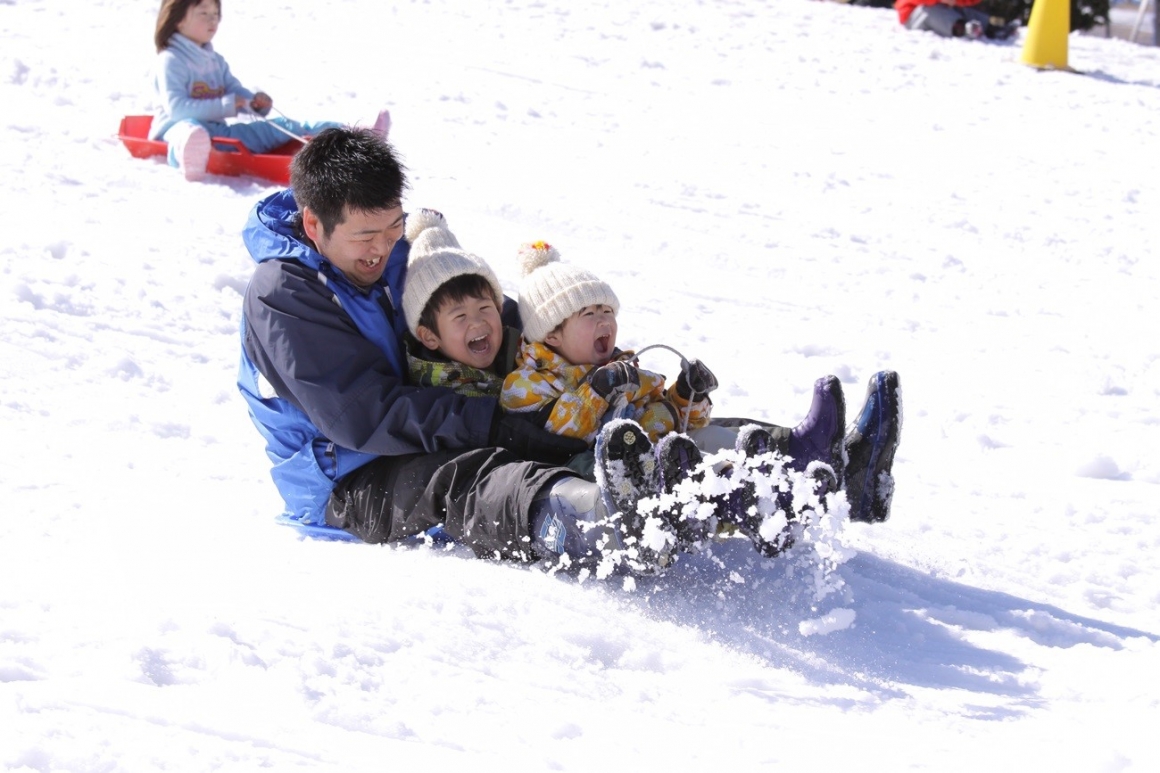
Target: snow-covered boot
{"x":626,"y":471}
{"x":819,"y":438}
{"x":742,"y":507}
{"x":870,"y":447}
{"x":679,"y":460}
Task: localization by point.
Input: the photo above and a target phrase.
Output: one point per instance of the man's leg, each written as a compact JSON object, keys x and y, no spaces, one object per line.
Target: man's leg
{"x":481,"y":497}
{"x":870,"y":447}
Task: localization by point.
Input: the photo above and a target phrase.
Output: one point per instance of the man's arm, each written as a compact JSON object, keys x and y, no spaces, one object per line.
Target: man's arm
{"x":315,"y":357}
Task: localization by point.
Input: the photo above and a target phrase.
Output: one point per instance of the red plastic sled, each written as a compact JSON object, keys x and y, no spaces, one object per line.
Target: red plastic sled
{"x":273,"y":166}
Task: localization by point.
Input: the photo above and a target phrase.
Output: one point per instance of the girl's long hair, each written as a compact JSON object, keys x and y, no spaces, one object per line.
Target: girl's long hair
{"x":170,"y":15}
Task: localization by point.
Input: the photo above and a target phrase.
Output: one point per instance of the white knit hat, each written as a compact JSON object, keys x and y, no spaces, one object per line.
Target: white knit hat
{"x":435,"y":258}
{"x":552,"y":290}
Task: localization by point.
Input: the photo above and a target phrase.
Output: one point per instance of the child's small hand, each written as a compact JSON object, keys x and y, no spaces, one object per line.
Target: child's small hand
{"x":696,"y":378}
{"x":262,"y":102}
{"x":614,"y":378}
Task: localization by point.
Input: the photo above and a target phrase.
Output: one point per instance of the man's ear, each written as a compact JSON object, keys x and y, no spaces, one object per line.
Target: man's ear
{"x":311,"y":225}
{"x":427,"y":337}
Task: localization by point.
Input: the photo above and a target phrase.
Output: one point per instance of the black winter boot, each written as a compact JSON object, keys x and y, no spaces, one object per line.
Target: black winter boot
{"x":678,"y":459}
{"x":626,"y":471}
{"x":870,"y":447}
{"x":741,"y":507}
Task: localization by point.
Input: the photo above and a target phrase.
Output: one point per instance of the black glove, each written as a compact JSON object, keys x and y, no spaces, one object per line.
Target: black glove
{"x":695,"y":378}
{"x":612,"y":379}
{"x":525,"y":439}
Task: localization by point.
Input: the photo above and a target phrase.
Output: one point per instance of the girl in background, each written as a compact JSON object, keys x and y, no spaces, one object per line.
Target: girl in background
{"x":196,"y":92}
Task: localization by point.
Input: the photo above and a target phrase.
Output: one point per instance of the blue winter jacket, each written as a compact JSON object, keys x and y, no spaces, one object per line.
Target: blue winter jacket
{"x":323,"y":367}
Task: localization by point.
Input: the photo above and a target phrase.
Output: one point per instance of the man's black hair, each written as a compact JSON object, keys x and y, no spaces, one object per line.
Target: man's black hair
{"x":342,"y":168}
{"x":454,"y":290}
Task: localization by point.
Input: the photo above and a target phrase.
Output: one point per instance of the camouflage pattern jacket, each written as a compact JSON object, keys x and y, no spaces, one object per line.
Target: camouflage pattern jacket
{"x":428,"y":368}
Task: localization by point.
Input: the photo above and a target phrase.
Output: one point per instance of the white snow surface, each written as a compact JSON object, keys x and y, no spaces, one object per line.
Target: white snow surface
{"x":782,"y":189}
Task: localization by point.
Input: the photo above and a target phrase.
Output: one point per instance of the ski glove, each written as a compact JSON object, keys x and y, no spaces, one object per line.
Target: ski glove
{"x":529,"y":441}
{"x":695,"y":378}
{"x":613,"y":379}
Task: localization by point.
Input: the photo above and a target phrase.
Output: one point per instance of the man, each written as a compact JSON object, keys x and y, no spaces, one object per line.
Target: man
{"x":323,"y":372}
{"x":353,"y":446}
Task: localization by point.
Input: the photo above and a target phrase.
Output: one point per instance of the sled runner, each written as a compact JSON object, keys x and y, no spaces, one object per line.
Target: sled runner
{"x":227,"y":156}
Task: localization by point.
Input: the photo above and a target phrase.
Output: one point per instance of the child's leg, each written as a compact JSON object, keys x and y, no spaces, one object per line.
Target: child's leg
{"x":189,"y":147}
{"x":305,"y":128}
{"x":257,"y":136}
{"x":264,"y":136}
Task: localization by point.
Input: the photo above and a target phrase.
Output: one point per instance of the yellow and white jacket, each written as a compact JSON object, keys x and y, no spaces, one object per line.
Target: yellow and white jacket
{"x":545,"y":381}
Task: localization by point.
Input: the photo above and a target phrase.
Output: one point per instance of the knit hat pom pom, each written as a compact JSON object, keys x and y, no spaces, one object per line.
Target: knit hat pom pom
{"x":536,"y":255}
{"x":418,"y":222}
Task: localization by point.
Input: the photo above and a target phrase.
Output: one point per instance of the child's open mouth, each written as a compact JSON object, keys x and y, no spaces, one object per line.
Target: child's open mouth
{"x":479,"y":345}
{"x":602,"y":346}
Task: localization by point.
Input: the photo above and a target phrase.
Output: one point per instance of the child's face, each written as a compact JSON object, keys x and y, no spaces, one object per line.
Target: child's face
{"x":469,"y":331}
{"x":201,"y":22}
{"x":587,"y":337}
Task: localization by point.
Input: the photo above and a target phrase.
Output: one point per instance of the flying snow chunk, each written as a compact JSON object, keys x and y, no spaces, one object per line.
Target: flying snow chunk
{"x":834,"y":620}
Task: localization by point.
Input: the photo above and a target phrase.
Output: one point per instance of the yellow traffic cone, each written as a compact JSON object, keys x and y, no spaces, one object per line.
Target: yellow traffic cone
{"x":1047,"y":31}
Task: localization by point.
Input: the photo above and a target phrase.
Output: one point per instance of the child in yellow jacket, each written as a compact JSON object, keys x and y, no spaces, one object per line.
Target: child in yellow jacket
{"x":568,"y":369}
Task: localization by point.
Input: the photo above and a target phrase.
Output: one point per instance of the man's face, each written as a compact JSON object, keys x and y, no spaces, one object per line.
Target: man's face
{"x":360,"y":245}
{"x":469,"y":331}
{"x":588,"y":337}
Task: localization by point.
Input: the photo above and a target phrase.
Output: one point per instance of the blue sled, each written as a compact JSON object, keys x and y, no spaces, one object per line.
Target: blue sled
{"x":314,"y":531}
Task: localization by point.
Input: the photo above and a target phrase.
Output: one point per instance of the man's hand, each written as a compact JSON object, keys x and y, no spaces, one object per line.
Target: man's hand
{"x":613,"y":379}
{"x":529,"y":441}
{"x":695,"y":378}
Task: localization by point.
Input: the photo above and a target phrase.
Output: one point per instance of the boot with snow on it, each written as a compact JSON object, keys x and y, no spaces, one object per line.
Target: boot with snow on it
{"x":626,"y":471}
{"x":681,"y":502}
{"x":765,"y":515}
{"x":870,"y":447}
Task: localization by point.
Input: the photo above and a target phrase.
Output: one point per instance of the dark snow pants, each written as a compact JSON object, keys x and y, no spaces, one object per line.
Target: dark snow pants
{"x":481,"y":497}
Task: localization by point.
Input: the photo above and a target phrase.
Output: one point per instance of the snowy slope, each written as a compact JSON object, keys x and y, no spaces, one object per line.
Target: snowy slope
{"x":783,"y":189}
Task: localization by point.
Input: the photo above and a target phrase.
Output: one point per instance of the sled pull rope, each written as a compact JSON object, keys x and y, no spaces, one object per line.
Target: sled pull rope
{"x":282,"y":129}
{"x":684,"y":368}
